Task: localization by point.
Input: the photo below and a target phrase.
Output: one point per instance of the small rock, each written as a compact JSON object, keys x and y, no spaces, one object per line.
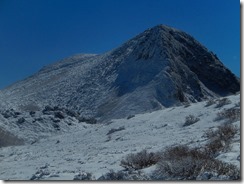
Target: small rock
{"x":130,"y":116}
{"x":21,"y":120}
{"x":59,"y":115}
{"x":54,"y":176}
{"x":56,"y":120}
{"x":84,"y":176}
{"x":32,"y":113}
{"x":205,"y":176}
{"x":69,"y":123}
{"x":33,"y":142}
{"x":56,"y":126}
{"x":45,"y":166}
{"x":71,"y":113}
{"x":81,"y":162}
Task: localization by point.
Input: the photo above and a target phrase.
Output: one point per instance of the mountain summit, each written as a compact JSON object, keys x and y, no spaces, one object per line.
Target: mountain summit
{"x":159,"y":68}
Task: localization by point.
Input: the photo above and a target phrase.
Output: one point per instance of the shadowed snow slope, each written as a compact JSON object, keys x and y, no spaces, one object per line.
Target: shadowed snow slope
{"x":161,"y":67}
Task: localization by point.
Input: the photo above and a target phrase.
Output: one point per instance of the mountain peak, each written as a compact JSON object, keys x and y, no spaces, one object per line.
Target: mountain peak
{"x":161,"y":27}
{"x":160,"y":41}
{"x":163,"y":31}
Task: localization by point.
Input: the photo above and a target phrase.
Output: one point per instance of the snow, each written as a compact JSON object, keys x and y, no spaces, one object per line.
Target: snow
{"x":89,"y":148}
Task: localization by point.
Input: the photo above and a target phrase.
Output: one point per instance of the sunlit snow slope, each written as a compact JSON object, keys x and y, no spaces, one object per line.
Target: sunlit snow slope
{"x":89,"y":148}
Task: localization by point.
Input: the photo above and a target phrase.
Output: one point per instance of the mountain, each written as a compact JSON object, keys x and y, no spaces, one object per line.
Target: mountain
{"x":138,"y":112}
{"x":161,"y":67}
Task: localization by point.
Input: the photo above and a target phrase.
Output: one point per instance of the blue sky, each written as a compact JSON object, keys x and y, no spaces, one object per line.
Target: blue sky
{"x":35,"y":33}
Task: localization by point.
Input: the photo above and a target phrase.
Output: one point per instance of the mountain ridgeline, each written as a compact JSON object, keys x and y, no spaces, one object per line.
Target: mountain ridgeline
{"x":161,"y":67}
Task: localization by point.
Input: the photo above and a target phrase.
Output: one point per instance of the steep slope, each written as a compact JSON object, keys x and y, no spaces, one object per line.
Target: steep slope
{"x":161,"y":67}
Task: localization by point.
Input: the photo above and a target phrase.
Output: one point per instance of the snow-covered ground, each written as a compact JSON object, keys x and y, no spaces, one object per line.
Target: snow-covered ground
{"x":89,"y":147}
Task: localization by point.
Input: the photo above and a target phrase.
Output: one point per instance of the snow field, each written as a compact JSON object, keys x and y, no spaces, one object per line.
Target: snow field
{"x":86,"y":147}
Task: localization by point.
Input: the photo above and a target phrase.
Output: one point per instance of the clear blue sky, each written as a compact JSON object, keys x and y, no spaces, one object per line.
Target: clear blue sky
{"x":35,"y":33}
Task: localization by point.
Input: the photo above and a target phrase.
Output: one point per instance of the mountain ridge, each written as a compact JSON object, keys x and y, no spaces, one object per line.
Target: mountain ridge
{"x":161,"y":67}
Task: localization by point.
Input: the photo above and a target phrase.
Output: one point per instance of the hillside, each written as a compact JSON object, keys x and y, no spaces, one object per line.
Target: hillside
{"x":98,"y":148}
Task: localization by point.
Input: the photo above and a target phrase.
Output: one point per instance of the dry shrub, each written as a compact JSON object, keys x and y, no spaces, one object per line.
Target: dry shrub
{"x":215,"y":146}
{"x":190,"y":120}
{"x":219,"y":139}
{"x":222,"y":102}
{"x":115,"y":130}
{"x":139,"y":160}
{"x":124,"y":175}
{"x":210,"y":102}
{"x":183,"y":163}
{"x":222,"y":168}
{"x":224,"y":132}
{"x":179,"y":168}
{"x":183,"y":151}
{"x":231,"y":115}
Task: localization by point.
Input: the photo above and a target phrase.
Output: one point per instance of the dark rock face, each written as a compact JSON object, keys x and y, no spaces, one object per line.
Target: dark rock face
{"x":160,"y":67}
{"x":185,"y":60}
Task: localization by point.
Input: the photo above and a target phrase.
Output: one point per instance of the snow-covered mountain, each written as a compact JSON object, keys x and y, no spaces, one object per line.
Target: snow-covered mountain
{"x":161,"y":67}
{"x":161,"y":93}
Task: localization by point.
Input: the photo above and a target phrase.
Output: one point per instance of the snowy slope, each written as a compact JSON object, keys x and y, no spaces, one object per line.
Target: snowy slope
{"x":87,"y":147}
